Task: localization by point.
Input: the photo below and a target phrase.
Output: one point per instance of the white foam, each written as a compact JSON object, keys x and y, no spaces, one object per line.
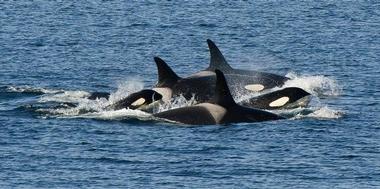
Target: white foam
{"x":125,"y":88}
{"x":29,"y":89}
{"x":66,"y":96}
{"x":117,"y":115}
{"x":176,"y":102}
{"x":326,"y":113}
{"x":86,"y":106}
{"x":316,"y":85}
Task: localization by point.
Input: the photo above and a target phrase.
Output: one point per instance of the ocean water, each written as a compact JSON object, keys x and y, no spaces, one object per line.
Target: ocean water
{"x":56,"y":52}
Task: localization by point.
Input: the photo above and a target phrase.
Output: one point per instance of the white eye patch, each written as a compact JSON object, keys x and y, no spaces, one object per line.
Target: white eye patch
{"x":138,"y":102}
{"x":279,"y":102}
{"x":254,"y":87}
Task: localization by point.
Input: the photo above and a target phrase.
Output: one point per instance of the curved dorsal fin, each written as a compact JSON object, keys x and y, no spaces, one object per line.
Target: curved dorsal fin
{"x":166,"y":76}
{"x":223,"y":95}
{"x":217,"y":60}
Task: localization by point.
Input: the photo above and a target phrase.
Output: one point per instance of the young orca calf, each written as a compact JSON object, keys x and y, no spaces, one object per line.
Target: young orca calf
{"x":141,"y":100}
{"x":222,"y":109}
{"x":287,"y":98}
{"x":137,"y":100}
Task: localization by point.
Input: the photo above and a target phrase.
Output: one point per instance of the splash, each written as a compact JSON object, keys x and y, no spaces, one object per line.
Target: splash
{"x":117,"y":115}
{"x":76,"y":103}
{"x":316,"y":85}
{"x":323,"y":112}
{"x":326,"y":113}
{"x":125,"y":88}
{"x":176,"y":102}
{"x":65,"y":96}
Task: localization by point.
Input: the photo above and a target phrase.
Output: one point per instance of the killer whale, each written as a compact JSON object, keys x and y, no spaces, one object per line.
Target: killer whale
{"x":222,"y":109}
{"x":287,"y":98}
{"x":264,"y":80}
{"x":138,"y":100}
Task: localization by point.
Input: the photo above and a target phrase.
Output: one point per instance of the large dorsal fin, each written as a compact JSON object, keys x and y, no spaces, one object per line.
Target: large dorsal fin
{"x":217,"y":60}
{"x":223,"y":95}
{"x":166,"y":76}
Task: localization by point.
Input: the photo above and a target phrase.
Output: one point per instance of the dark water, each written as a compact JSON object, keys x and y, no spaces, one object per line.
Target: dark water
{"x":51,"y":50}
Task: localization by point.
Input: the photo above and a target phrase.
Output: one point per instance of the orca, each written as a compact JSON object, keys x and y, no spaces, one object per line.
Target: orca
{"x":202,"y":88}
{"x":287,"y":98}
{"x":222,"y":109}
{"x":138,"y":100}
{"x":263,"y":80}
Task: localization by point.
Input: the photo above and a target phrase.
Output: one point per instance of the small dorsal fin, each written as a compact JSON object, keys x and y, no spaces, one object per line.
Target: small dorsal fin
{"x":217,"y":60}
{"x":223,"y":95}
{"x":166,"y":76}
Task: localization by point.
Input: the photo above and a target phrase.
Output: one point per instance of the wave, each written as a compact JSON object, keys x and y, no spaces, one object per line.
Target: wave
{"x":75,"y":104}
{"x":117,"y":115}
{"x":31,"y":90}
{"x":324,"y":112}
{"x":316,"y":85}
{"x":176,"y":102}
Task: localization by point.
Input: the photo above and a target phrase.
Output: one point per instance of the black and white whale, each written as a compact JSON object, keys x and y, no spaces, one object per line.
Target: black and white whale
{"x":287,"y":98}
{"x":139,"y":100}
{"x":222,"y":109}
{"x":142,"y":100}
{"x":259,"y":81}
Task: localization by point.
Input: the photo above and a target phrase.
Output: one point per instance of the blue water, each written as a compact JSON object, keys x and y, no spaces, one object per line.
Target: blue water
{"x":50,"y":50}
